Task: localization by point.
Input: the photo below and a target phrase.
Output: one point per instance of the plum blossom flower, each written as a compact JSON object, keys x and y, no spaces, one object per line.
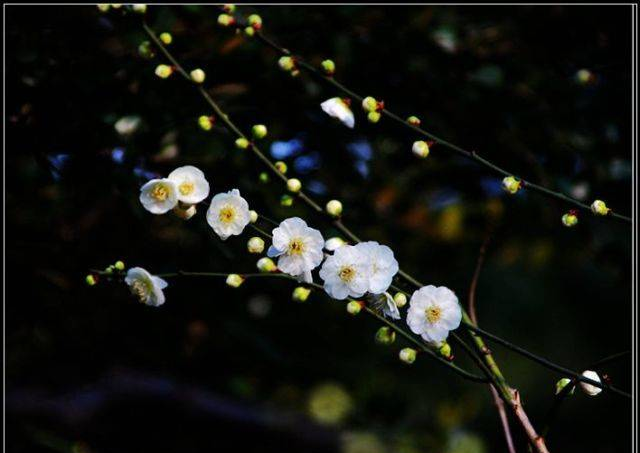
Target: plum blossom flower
{"x":346,"y":273}
{"x":298,"y":246}
{"x":191,"y":183}
{"x":146,"y":287}
{"x":333,"y":243}
{"x":383,"y":265}
{"x":338,"y":108}
{"x":433,"y":312}
{"x":159,"y":196}
{"x":228,"y":214}
{"x":385,"y":304}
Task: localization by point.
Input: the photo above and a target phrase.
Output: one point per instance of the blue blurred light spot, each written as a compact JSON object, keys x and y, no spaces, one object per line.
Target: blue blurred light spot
{"x":360,"y":150}
{"x":143,"y":173}
{"x":117,"y":155}
{"x":305,"y":164}
{"x":492,"y":187}
{"x":443,"y":198}
{"x":316,"y":187}
{"x":284,"y":149}
{"x":363,"y":168}
{"x":58,"y":162}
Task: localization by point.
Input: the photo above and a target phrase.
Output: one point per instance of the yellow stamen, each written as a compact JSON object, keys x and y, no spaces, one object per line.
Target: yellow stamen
{"x":433,"y":314}
{"x":227,"y":214}
{"x":140,"y":289}
{"x":347,"y":274}
{"x":296,"y":247}
{"x":160,"y":192}
{"x":186,"y":188}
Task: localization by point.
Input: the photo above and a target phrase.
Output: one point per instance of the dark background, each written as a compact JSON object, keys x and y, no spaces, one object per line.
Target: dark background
{"x":90,"y":370}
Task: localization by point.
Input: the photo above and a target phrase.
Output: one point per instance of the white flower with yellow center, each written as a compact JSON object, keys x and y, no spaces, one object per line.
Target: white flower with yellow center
{"x":159,"y":196}
{"x":191,"y":183}
{"x":299,"y":248}
{"x":228,"y":214}
{"x":338,"y":108}
{"x":433,"y":312}
{"x":383,"y":265}
{"x":346,"y":273}
{"x":146,"y":287}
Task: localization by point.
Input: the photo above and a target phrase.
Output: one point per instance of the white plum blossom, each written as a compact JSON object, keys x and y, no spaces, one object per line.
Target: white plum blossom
{"x":191,"y":183}
{"x":346,"y":273}
{"x":433,"y":312}
{"x":228,"y":214}
{"x":333,"y":243}
{"x":383,"y":265}
{"x":298,"y":248}
{"x":338,"y":108}
{"x":159,"y":196}
{"x":146,"y":287}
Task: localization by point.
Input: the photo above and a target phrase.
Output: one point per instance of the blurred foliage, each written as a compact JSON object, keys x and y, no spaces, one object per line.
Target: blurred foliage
{"x":89,"y":370}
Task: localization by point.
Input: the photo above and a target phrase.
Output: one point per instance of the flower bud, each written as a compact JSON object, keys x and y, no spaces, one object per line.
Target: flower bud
{"x":562,"y":383}
{"x":234,"y":280}
{"x":329,"y":67}
{"x":511,"y":184}
{"x":445,"y":350}
{"x":369,"y":104}
{"x":164,"y":71}
{"x":300,"y":294}
{"x":570,"y":219}
{"x":584,"y":77}
{"x":286,"y":200}
{"x":139,"y":8}
{"x":229,"y":8}
{"x":266,"y":265}
{"x":145,"y":50}
{"x":587,"y":388}
{"x":253,"y":216}
{"x":226,"y":20}
{"x":599,"y":207}
{"x":109,"y":269}
{"x":103,"y":7}
{"x":198,"y":75}
{"x":249,"y":31}
{"x":334,"y":208}
{"x":385,"y":336}
{"x":354,"y":307}
{"x":91,"y":280}
{"x":255,"y":245}
{"x":259,"y":131}
{"x":205,"y":122}
{"x":420,"y":148}
{"x":413,"y":120}
{"x":166,"y":38}
{"x":264,"y":177}
{"x":295,"y":72}
{"x":281,"y":167}
{"x":408,"y":355}
{"x":242,"y":143}
{"x":116,"y":5}
{"x":255,"y":21}
{"x":334,"y":243}
{"x":294,"y":185}
{"x":400,"y":299}
{"x":119,"y":265}
{"x":373,"y":117}
{"x":185,"y":212}
{"x":286,"y":63}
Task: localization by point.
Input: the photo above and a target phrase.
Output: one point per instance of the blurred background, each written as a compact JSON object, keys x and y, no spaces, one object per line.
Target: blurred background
{"x":543,"y":91}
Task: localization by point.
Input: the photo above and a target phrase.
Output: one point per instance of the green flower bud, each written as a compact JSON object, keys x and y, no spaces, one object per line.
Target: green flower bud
{"x":255,"y":21}
{"x":400,"y":299}
{"x":294,"y":185}
{"x":164,"y":71}
{"x":266,"y":265}
{"x":562,"y":383}
{"x":234,"y":280}
{"x":253,"y":216}
{"x":334,"y":208}
{"x":584,"y":77}
{"x":249,"y":31}
{"x":373,"y":117}
{"x":226,"y":20}
{"x":103,"y":7}
{"x":91,"y":280}
{"x":229,"y":8}
{"x":205,"y":122}
{"x":145,"y":50}
{"x":119,"y":265}
{"x":408,"y":355}
{"x":570,"y":219}
{"x":255,"y":245}
{"x":286,"y":63}
{"x":259,"y":131}
{"x":354,"y":307}
{"x":420,"y":149}
{"x":413,"y":120}
{"x":286,"y":200}
{"x":329,"y":67}
{"x":109,"y":269}
{"x":242,"y":143}
{"x":370,"y":104}
{"x":511,"y":184}
{"x":281,"y":167}
{"x":385,"y":336}
{"x":166,"y":38}
{"x":599,"y":207}
{"x":264,"y":177}
{"x":445,"y":350}
{"x":300,"y":294}
{"x":198,"y":75}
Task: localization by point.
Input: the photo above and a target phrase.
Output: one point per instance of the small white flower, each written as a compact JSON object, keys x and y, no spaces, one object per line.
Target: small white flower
{"x":346,"y":273}
{"x":383,"y":265}
{"x":332,"y":244}
{"x":228,"y":214}
{"x":146,"y":287}
{"x":433,"y":312}
{"x":298,"y":247}
{"x":191,"y":183}
{"x":337,"y":108}
{"x":384,"y":303}
{"x":587,"y":388}
{"x":159,"y":196}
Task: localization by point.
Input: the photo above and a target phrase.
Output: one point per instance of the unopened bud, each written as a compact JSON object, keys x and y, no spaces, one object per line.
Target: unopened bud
{"x":166,"y":38}
{"x":103,"y":7}
{"x":300,"y":294}
{"x":119,"y":265}
{"x":584,"y":77}
{"x":145,"y":50}
{"x":334,"y":243}
{"x":599,"y":207}
{"x":229,"y":8}
{"x":286,"y":63}
{"x":234,"y":280}
{"x":562,"y":383}
{"x":139,"y":8}
{"x":413,"y":120}
{"x":242,"y":143}
{"x":255,"y":21}
{"x":185,"y":212}
{"x":286,"y":200}
{"x":91,"y":280}
{"x":400,"y":299}
{"x":205,"y":122}
{"x":408,"y":355}
{"x":294,"y":185}
{"x":420,"y":148}
{"x":334,"y":208}
{"x":354,"y":307}
{"x":253,"y":216}
{"x":385,"y":335}
{"x":369,"y":104}
{"x":511,"y":184}
{"x":445,"y":350}
{"x":249,"y":31}
{"x":255,"y":245}
{"x":259,"y":131}
{"x":281,"y":167}
{"x":570,"y":219}
{"x":329,"y":67}
{"x":266,"y":265}
{"x":198,"y":75}
{"x":264,"y":177}
{"x":373,"y":117}
{"x":587,"y":388}
{"x":164,"y":71}
{"x":226,"y":20}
